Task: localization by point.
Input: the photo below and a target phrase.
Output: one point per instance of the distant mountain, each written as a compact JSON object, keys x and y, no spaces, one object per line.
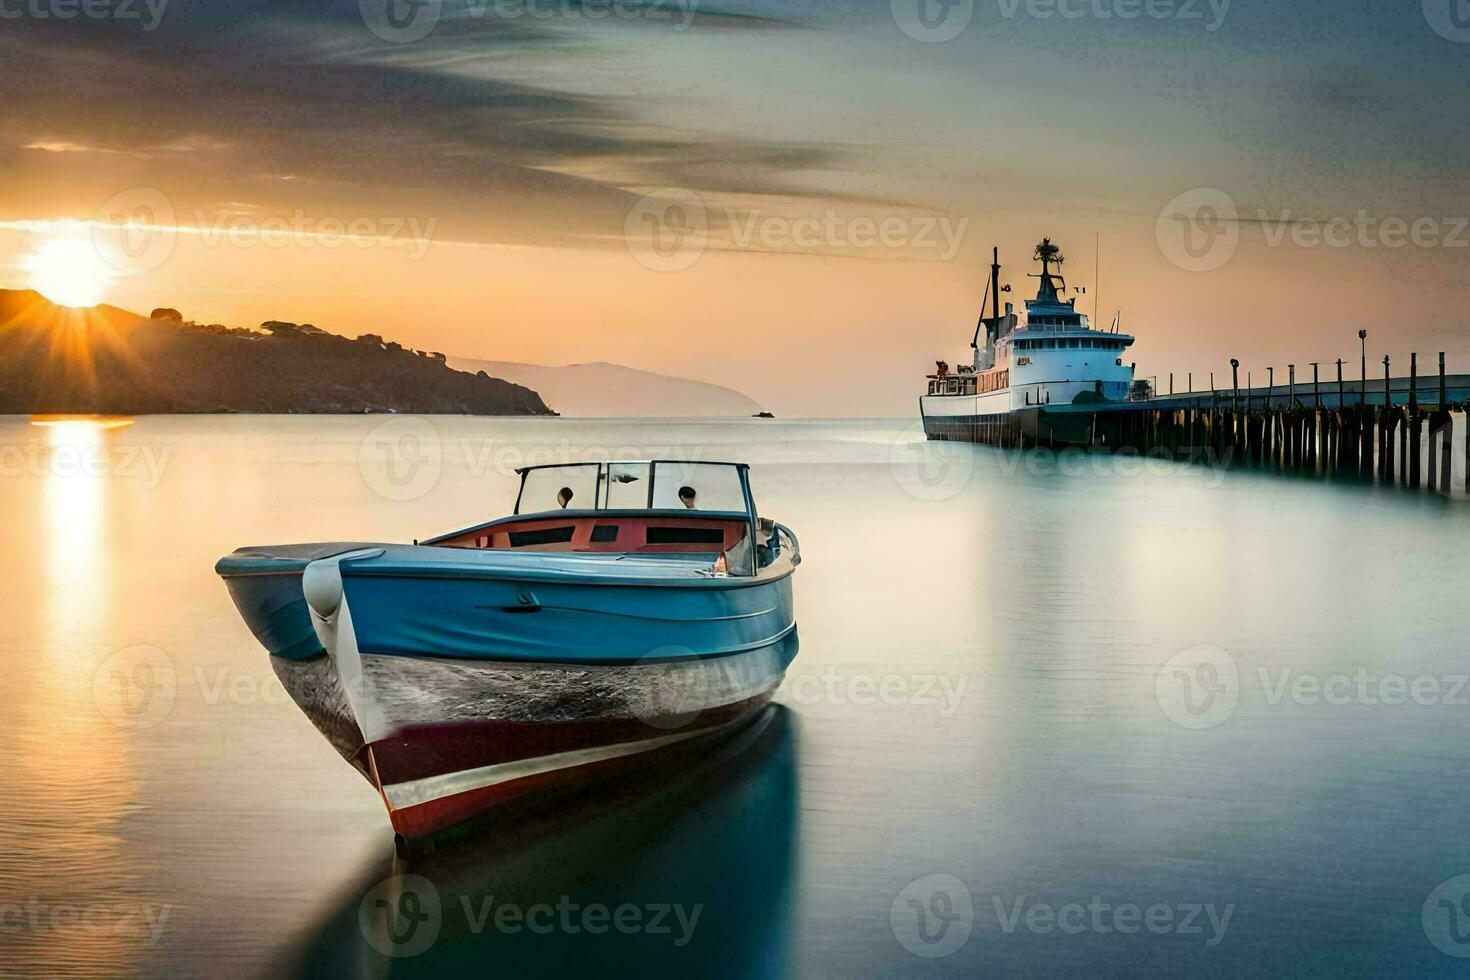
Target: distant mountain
{"x":104,"y":360}
{"x":603,"y":390}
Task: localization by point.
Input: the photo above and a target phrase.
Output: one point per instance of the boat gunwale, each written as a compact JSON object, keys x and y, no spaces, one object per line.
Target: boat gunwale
{"x":578,"y":513}
{"x":461,"y":571}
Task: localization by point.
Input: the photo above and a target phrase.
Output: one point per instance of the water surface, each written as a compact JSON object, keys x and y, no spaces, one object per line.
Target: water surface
{"x":1072,"y":689}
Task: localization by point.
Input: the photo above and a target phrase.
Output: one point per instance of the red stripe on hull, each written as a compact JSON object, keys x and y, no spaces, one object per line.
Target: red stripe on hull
{"x":423,"y":819}
{"x":419,"y":751}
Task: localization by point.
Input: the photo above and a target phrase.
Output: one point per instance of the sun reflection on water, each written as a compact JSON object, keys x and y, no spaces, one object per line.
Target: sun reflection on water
{"x":72,"y":772}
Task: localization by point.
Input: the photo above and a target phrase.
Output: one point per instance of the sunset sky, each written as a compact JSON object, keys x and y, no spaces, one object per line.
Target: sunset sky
{"x":845,"y":169}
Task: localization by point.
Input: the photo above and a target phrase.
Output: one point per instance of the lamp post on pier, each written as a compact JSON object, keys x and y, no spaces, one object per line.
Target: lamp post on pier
{"x":1235,"y":384}
{"x":1363,"y":354}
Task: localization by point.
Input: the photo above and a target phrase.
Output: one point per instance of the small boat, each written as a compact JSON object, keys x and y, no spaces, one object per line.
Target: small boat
{"x":623,"y":608}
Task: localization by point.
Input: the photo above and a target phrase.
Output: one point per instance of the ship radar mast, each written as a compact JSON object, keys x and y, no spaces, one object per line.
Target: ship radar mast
{"x":1047,"y":253}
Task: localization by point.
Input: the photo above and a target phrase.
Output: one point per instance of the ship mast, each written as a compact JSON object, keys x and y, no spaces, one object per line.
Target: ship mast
{"x":995,"y":284}
{"x":993,"y":292}
{"x":1047,"y":253}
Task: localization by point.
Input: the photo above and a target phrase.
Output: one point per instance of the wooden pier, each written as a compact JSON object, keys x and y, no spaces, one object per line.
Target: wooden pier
{"x":1411,"y":431}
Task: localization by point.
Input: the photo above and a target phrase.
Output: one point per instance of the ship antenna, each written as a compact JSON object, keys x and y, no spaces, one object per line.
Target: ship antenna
{"x":995,"y":283}
{"x":992,"y":290}
{"x":1096,"y":272}
{"x":975,"y":341}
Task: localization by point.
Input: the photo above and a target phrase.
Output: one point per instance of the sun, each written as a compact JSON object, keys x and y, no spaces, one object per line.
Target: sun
{"x":66,"y":269}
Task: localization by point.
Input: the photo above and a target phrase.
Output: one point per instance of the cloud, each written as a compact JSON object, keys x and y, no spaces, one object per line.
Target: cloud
{"x":295,"y":107}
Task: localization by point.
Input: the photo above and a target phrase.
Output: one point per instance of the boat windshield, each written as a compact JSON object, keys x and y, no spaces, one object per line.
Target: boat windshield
{"x":634,"y":485}
{"x":558,"y":487}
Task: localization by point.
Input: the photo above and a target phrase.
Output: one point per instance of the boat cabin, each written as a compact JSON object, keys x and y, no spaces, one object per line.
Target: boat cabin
{"x":643,"y":507}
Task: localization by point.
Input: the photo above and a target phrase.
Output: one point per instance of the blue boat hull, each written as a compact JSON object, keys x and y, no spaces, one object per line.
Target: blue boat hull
{"x":411,"y":601}
{"x":454,"y":680}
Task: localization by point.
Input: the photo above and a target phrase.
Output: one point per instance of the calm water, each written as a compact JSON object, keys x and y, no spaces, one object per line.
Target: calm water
{"x":1137,"y":717}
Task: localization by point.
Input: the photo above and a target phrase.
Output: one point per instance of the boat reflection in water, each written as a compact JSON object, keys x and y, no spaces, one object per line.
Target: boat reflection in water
{"x":688,"y":866}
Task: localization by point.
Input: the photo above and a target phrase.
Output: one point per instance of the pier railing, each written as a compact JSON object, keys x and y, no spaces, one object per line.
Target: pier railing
{"x":1413,"y":431}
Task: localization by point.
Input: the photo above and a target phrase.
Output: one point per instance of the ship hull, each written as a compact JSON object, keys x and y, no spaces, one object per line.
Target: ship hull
{"x":989,"y":419}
